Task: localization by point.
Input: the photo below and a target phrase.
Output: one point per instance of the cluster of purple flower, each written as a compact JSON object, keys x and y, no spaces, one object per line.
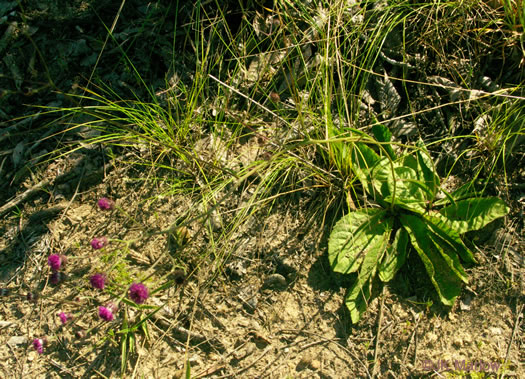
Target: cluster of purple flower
{"x":56,"y":262}
{"x":138,"y":292}
{"x":64,"y":317}
{"x":104,"y":204}
{"x":38,"y":344}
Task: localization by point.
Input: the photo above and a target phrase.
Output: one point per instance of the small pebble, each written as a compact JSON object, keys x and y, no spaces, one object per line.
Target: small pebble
{"x":5,"y":324}
{"x":496,"y":331}
{"x":17,"y":340}
{"x":194,"y":360}
{"x":315,"y":364}
{"x":236,"y":270}
{"x":464,"y":304}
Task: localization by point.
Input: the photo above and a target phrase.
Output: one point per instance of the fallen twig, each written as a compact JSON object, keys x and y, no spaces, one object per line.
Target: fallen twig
{"x":412,"y":337}
{"x":379,"y":322}
{"x":23,"y":196}
{"x":516,"y":325}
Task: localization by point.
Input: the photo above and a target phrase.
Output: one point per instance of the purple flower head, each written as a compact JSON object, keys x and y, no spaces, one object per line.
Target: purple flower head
{"x":105,"y":313}
{"x":99,"y":243}
{"x":38,"y":344}
{"x":105,"y":204}
{"x":138,"y":292}
{"x":98,"y":281}
{"x":64,"y":317}
{"x":54,"y":261}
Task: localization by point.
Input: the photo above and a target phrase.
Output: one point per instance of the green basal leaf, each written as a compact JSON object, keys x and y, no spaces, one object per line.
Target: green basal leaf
{"x":395,"y":256}
{"x":408,"y":192}
{"x":359,"y":294}
{"x":380,"y":175}
{"x":357,"y":235}
{"x":427,"y":179}
{"x":383,"y":134}
{"x":363,"y":160}
{"x":399,"y":185}
{"x":441,"y":228}
{"x":466,"y":191}
{"x":473,"y":214}
{"x":358,"y":297}
{"x":441,"y":267}
{"x":426,"y":170}
{"x":450,"y":255}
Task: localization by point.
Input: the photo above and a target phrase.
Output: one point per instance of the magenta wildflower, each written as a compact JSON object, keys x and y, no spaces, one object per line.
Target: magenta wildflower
{"x":138,"y":292}
{"x":99,"y":243}
{"x":38,"y":344}
{"x":64,"y":317}
{"x":98,"y":281}
{"x":54,"y":261}
{"x":106,"y":313}
{"x":105,"y":204}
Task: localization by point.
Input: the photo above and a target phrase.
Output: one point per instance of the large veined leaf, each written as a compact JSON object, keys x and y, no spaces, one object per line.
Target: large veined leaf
{"x":421,"y":162}
{"x":394,"y":257}
{"x":427,"y":188}
{"x":380,"y":176}
{"x":428,"y":173}
{"x":408,"y":191}
{"x":359,"y":294}
{"x":466,"y":191}
{"x":364,"y":159}
{"x":350,"y":156}
{"x":442,"y":266}
{"x":473,"y":214}
{"x":400,"y":185}
{"x":355,"y":236}
{"x":449,"y":255}
{"x":383,"y":134}
{"x":449,"y":236}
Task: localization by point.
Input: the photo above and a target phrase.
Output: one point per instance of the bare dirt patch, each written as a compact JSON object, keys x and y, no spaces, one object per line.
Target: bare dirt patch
{"x":275,"y":309}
